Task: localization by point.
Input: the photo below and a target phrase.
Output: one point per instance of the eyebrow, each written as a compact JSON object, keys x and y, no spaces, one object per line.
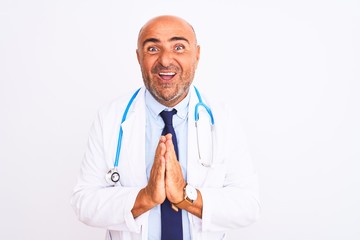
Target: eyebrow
{"x":179,"y":39}
{"x":173,"y":39}
{"x":153,"y":40}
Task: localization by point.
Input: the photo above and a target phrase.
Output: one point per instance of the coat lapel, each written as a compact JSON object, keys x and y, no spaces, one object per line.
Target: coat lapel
{"x":196,"y":173}
{"x":132,"y":157}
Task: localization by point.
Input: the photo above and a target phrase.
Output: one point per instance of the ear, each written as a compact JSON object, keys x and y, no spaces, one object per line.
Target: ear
{"x":138,"y":55}
{"x":197,"y":54}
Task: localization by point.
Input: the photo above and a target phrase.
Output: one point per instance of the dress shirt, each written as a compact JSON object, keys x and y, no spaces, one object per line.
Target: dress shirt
{"x":154,"y":127}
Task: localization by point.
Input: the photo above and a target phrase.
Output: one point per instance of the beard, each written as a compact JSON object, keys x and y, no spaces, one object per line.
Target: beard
{"x":168,"y":94}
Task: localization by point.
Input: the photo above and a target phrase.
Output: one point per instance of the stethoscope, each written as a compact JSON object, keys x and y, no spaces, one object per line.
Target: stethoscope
{"x":113,"y":176}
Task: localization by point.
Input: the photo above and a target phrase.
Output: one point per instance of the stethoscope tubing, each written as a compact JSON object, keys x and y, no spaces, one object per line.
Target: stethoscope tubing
{"x":201,"y":103}
{"x":118,"y":148}
{"x":113,"y":173}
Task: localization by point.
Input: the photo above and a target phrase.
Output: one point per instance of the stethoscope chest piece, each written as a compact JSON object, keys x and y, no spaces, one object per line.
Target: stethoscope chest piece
{"x":112,"y":176}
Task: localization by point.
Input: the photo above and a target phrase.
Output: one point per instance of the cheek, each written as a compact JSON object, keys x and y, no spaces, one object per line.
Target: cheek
{"x":188,"y":63}
{"x":148,"y":61}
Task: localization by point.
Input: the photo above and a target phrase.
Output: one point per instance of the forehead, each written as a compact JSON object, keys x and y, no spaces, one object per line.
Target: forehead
{"x":166,"y":28}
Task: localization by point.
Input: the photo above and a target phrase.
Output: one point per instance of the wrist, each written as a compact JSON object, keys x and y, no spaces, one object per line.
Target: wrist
{"x":148,"y":198}
{"x":190,"y":195}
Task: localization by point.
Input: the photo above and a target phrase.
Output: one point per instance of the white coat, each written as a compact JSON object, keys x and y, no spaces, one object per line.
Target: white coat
{"x":229,"y":188}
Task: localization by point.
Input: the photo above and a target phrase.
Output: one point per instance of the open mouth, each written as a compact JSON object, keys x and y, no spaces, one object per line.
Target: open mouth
{"x":167,"y":75}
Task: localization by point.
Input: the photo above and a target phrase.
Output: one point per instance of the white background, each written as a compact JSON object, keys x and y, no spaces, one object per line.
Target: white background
{"x":291,"y":69}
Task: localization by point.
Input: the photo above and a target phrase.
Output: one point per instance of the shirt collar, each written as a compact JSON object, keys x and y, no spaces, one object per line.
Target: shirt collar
{"x":155,"y":108}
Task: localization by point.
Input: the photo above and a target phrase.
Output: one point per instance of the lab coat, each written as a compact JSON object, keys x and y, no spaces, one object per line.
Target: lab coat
{"x":229,"y":188}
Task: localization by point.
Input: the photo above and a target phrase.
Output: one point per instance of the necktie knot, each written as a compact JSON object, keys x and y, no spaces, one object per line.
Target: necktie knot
{"x":167,"y":116}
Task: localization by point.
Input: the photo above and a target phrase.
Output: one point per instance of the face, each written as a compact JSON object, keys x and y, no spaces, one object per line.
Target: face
{"x":168,"y":56}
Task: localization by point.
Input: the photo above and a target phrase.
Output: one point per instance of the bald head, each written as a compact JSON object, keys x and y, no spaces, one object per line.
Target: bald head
{"x":166,"y":22}
{"x":168,"y":55}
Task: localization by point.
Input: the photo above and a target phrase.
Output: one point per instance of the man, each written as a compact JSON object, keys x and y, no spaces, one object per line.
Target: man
{"x":176,"y":182}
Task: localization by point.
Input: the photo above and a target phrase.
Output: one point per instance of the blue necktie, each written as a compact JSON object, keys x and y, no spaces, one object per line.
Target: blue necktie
{"x":171,"y":221}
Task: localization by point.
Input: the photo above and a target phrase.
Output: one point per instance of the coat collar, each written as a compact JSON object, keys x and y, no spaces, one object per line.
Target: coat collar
{"x":133,"y":144}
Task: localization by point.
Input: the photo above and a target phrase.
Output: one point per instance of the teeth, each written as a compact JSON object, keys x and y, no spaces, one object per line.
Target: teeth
{"x":167,"y":74}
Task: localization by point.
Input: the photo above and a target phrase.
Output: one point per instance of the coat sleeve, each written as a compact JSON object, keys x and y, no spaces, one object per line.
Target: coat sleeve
{"x":93,"y":200}
{"x":233,"y":200}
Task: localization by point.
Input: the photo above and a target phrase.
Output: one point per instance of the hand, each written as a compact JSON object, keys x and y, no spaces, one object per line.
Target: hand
{"x":155,"y":188}
{"x":174,"y":179}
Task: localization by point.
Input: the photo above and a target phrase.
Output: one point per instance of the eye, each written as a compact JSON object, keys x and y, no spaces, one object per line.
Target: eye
{"x":152,"y":49}
{"x":179,"y":48}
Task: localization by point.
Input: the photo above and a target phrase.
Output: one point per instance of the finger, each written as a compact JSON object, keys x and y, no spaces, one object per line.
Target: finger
{"x":170,"y":150}
{"x":162,"y":139}
{"x":174,"y":179}
{"x":157,"y":172}
{"x":168,"y":136}
{"x":161,"y":148}
{"x":171,"y":163}
{"x":156,"y":184}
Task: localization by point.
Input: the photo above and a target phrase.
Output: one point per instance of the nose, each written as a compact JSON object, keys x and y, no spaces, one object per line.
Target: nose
{"x":165,"y":58}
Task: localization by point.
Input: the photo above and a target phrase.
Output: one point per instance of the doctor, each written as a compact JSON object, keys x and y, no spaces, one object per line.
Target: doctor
{"x":203,"y":173}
